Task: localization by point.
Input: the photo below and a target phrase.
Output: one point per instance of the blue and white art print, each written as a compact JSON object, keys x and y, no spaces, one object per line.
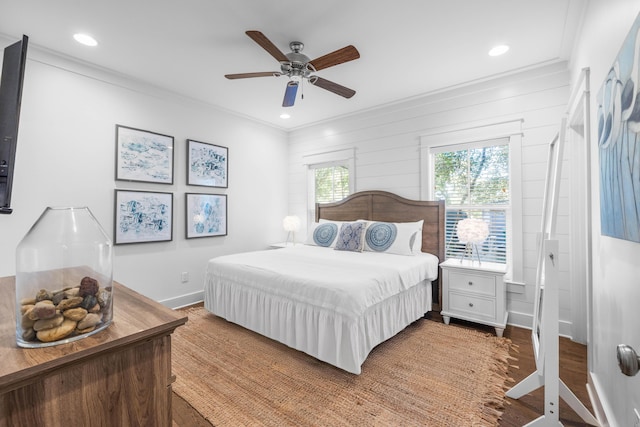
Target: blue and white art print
{"x":208,"y":164}
{"x":619,"y":142}
{"x":206,"y":215}
{"x":143,"y":216}
{"x":143,"y":156}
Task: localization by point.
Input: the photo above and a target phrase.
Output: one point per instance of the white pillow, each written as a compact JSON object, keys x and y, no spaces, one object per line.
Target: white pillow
{"x":402,"y":238}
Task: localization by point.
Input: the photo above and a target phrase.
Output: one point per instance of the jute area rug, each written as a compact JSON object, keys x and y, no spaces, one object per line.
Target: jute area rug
{"x":430,"y":374}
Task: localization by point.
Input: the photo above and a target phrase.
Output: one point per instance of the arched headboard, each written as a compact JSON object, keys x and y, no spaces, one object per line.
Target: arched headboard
{"x":389,"y":207}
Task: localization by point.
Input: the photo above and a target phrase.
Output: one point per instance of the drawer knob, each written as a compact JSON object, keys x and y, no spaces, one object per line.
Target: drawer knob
{"x":470,"y":304}
{"x":470,"y":283}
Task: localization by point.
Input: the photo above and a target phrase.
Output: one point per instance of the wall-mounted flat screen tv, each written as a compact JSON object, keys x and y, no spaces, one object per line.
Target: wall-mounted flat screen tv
{"x":13,"y":63}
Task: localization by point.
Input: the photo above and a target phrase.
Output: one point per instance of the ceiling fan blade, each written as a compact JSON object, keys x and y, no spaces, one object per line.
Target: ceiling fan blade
{"x":339,"y":56}
{"x":250,"y":75}
{"x":331,"y":86}
{"x":266,"y":44}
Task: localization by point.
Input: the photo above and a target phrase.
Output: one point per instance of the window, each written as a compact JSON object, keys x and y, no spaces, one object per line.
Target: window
{"x":473,"y":180}
{"x":507,"y":134}
{"x":329,"y":179}
{"x":331,"y":183}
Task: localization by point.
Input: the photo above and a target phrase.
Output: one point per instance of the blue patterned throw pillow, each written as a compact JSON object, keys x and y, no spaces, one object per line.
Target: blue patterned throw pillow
{"x":351,"y":237}
{"x":324,"y":234}
{"x":381,"y":235}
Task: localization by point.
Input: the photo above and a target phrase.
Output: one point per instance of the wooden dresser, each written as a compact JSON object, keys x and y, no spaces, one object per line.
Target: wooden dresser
{"x":120,"y":376}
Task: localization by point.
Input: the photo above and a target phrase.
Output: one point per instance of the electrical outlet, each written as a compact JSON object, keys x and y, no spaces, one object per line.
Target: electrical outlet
{"x":184,"y":277}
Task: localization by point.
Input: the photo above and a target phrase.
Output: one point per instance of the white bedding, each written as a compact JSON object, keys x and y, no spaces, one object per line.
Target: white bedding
{"x":333,"y":305}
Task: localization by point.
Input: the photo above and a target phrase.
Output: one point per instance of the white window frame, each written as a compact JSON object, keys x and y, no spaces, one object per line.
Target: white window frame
{"x":453,"y":137}
{"x":344,"y":158}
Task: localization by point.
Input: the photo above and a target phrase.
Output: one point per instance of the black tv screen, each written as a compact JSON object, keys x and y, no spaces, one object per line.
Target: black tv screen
{"x":13,"y":64}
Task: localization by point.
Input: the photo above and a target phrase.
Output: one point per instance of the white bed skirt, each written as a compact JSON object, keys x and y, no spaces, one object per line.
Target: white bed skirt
{"x":342,"y":341}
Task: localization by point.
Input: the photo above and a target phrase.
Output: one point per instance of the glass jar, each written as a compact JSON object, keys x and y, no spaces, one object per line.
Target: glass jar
{"x":64,"y":273}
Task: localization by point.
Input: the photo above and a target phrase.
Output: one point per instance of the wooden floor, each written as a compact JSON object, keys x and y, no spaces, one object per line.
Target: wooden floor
{"x":573,"y":371}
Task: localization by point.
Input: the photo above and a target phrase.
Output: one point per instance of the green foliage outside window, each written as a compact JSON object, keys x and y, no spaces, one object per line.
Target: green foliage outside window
{"x":332,"y":183}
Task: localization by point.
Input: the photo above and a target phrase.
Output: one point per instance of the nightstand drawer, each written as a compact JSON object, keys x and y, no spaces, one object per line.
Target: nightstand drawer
{"x":485,"y":285}
{"x":474,"y":306}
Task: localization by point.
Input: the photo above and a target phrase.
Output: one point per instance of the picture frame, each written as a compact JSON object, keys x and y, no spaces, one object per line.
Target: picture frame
{"x":619,"y":143}
{"x":142,"y":217}
{"x":206,"y":215}
{"x":143,"y":156}
{"x":207,"y":164}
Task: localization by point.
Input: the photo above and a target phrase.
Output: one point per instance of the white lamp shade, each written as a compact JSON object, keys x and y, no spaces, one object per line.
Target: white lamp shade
{"x":472,"y":230}
{"x":291,"y":223}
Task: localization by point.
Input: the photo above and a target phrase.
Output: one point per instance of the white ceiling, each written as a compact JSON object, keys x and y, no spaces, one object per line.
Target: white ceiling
{"x":407,"y":47}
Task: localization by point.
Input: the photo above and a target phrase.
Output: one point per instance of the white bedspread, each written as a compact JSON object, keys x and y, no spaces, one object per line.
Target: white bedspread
{"x":333,"y":305}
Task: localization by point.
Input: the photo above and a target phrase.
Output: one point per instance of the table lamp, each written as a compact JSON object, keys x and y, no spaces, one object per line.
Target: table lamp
{"x":472,"y":231}
{"x":291,"y":224}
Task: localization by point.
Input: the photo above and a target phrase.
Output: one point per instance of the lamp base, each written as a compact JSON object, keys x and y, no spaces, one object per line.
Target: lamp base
{"x":468,"y":252}
{"x":291,"y":235}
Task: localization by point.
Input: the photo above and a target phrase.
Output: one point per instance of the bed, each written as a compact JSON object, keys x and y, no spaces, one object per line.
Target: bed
{"x":335,"y":305}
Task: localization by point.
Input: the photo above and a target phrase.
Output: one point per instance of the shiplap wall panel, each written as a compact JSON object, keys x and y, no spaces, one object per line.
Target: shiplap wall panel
{"x":387,"y":149}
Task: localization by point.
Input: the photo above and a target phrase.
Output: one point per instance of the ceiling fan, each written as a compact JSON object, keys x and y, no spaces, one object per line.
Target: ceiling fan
{"x":298,"y":67}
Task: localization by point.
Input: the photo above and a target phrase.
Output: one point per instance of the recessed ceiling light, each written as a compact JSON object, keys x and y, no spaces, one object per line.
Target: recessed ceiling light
{"x":85,"y":39}
{"x":498,"y":50}
{"x":285,"y":116}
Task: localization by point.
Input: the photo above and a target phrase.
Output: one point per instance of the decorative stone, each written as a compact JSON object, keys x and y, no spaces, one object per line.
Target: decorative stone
{"x":43,"y":310}
{"x":25,"y":301}
{"x":72,"y":292}
{"x":29,"y":334}
{"x":72,"y":302}
{"x":104,"y":297}
{"x":43,"y":294}
{"x":88,"y":286}
{"x":75,"y":314}
{"x":55,"y":334}
{"x":27,"y":322}
{"x":48,"y":323}
{"x":86,"y":330}
{"x":92,"y":319}
{"x":57,"y":297}
{"x":88,"y":302}
{"x":25,"y":308}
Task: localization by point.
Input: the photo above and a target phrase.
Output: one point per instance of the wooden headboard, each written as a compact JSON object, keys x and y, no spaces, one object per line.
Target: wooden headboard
{"x":389,"y":207}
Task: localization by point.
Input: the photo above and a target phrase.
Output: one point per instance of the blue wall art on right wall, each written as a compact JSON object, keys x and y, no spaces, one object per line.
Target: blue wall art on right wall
{"x":619,"y":142}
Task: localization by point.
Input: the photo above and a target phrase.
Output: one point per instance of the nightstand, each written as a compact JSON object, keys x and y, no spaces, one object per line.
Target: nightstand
{"x":474,"y":291}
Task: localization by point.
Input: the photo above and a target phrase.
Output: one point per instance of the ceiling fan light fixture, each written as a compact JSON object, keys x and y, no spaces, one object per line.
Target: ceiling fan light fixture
{"x":290,"y":94}
{"x":498,"y":50}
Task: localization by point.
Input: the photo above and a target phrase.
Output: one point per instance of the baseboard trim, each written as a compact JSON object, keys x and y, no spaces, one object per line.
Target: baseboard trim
{"x":525,"y":321}
{"x":596,"y":403}
{"x":600,"y":406}
{"x":183,"y":300}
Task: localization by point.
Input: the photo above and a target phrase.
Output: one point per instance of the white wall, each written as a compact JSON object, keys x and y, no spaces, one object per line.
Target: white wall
{"x":616,"y":267}
{"x":66,"y":157}
{"x":386,"y":142}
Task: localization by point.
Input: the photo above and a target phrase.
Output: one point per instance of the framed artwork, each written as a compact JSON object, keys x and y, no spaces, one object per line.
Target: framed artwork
{"x":206,"y":215}
{"x":143,"y":156}
{"x":207,"y":164}
{"x":619,"y":143}
{"x":143,"y":216}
